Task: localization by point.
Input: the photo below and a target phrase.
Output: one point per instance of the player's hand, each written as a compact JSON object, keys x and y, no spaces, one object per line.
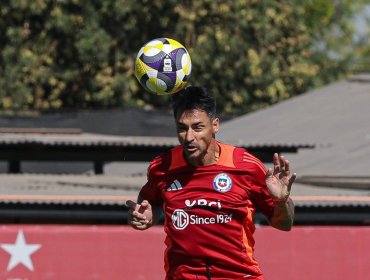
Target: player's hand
{"x":140,"y":216}
{"x":279,"y":181}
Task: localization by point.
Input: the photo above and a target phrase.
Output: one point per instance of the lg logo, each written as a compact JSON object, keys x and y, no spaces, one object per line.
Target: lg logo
{"x":180,"y":219}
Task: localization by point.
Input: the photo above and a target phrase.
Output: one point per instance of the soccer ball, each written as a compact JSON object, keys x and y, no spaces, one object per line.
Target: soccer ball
{"x":163,"y":66}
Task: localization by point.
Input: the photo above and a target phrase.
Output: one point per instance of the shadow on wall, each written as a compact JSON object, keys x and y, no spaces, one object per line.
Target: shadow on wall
{"x":131,"y":122}
{"x":121,"y":122}
{"x":47,"y":167}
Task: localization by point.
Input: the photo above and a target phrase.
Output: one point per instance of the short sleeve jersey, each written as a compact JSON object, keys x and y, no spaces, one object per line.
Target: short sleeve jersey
{"x":209,"y":213}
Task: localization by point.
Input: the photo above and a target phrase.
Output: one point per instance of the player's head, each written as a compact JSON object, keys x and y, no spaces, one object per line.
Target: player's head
{"x":193,"y":97}
{"x":196,"y":122}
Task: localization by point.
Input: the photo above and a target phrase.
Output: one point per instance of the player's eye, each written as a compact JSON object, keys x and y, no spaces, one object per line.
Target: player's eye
{"x":198,"y":128}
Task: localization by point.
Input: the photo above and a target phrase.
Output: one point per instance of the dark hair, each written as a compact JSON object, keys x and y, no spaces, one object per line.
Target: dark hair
{"x":193,"y":97}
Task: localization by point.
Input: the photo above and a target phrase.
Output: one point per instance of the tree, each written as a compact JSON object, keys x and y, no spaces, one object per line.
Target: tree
{"x":250,"y":53}
{"x":71,"y":54}
{"x":256,"y":53}
{"x":331,"y":26}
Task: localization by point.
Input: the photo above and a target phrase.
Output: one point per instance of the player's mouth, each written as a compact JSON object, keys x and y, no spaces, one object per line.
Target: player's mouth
{"x":190,"y":149}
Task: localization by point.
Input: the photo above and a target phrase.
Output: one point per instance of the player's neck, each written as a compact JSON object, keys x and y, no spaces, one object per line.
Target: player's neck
{"x":210,"y":157}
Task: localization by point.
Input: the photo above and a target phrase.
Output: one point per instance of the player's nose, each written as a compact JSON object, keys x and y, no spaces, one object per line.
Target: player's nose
{"x":189,"y":136}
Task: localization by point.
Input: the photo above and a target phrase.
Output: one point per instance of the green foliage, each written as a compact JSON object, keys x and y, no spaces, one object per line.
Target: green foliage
{"x":62,"y":54}
{"x":251,"y":53}
{"x":331,"y":27}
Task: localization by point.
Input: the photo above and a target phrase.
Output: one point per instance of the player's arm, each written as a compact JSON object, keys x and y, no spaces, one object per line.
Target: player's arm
{"x":279,"y":183}
{"x":142,"y":215}
{"x":283,"y":215}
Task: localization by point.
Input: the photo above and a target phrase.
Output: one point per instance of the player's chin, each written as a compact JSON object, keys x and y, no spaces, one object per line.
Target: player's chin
{"x":192,"y":155}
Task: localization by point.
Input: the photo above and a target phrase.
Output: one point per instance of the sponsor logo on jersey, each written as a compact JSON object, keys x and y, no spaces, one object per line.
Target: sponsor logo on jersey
{"x":203,"y":203}
{"x":222,"y":183}
{"x":175,"y":186}
{"x":181,"y":219}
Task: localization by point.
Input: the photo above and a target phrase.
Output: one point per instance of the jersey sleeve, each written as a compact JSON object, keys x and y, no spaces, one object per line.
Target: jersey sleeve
{"x":259,"y":193}
{"x":151,"y":191}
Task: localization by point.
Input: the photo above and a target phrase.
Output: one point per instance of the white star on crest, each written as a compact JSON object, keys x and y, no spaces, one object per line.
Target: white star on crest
{"x":20,"y":252}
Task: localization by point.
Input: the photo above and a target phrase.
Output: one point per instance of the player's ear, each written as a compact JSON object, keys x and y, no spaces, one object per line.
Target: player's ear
{"x":215,"y":125}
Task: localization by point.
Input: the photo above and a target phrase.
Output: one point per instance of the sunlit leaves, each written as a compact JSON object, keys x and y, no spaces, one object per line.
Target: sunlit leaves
{"x":57,"y":54}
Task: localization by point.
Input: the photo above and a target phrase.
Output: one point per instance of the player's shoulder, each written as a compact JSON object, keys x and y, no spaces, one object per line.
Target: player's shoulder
{"x":159,"y":164}
{"x":167,"y":161}
{"x":244,"y":159}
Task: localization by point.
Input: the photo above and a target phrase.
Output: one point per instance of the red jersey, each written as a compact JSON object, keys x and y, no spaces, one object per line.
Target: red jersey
{"x":209,"y":213}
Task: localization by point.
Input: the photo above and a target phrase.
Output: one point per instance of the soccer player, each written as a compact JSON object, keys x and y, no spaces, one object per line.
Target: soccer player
{"x":209,"y":192}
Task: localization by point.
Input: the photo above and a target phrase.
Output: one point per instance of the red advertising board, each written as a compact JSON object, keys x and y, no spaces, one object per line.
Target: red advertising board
{"x":118,"y":252}
{"x":80,"y":252}
{"x":314,"y":253}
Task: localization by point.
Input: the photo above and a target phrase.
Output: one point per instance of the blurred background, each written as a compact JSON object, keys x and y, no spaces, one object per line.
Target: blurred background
{"x":77,"y":130}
